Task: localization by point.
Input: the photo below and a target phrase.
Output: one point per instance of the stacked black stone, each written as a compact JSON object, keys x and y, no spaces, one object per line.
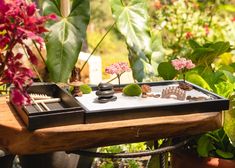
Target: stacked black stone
{"x":105,"y":93}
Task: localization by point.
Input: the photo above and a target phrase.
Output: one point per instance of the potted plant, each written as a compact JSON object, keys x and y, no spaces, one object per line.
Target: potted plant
{"x":213,"y":149}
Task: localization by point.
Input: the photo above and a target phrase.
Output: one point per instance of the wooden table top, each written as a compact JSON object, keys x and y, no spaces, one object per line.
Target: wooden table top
{"x":16,"y":139}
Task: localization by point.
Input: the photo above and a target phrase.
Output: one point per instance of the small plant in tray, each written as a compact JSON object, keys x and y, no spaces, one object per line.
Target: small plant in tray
{"x":118,"y":69}
{"x":183,"y":65}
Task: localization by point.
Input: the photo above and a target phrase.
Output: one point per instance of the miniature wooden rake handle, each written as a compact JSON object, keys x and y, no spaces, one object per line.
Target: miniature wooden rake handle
{"x":52,"y":100}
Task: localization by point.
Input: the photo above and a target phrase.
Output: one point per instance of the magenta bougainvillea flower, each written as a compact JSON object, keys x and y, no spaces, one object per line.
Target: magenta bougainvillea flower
{"x":19,"y":22}
{"x":117,"y":69}
{"x":182,"y":63}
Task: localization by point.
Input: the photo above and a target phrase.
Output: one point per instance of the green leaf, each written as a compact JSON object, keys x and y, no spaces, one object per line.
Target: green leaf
{"x":220,"y":47}
{"x":145,"y":49}
{"x":198,"y":80}
{"x":65,"y":37}
{"x":229,"y":121}
{"x":157,"y":51}
{"x":140,"y":66}
{"x":132,"y":22}
{"x":223,"y":154}
{"x":229,"y":76}
{"x":232,"y":66}
{"x":204,"y":146}
{"x":166,"y":71}
{"x":206,"y":55}
{"x":193,"y":44}
{"x":227,"y":7}
{"x":199,"y":53}
{"x":224,"y":88}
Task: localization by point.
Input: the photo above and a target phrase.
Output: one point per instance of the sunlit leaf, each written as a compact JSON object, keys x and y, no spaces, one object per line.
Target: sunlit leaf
{"x":198,"y":80}
{"x":227,"y":7}
{"x":145,"y":49}
{"x":229,"y":120}
{"x":224,"y":88}
{"x":65,"y":37}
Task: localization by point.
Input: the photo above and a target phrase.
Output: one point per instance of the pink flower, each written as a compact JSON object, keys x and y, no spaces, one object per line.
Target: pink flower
{"x":179,"y":63}
{"x":117,"y":68}
{"x":190,"y":64}
{"x":182,"y":63}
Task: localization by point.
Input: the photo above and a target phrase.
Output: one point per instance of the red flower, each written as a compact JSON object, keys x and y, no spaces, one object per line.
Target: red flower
{"x":31,"y":9}
{"x":52,"y":16}
{"x":157,"y":4}
{"x":207,"y":29}
{"x":17,"y":97}
{"x":233,"y":19}
{"x":32,"y":56}
{"x":19,"y":22}
{"x":188,"y":35}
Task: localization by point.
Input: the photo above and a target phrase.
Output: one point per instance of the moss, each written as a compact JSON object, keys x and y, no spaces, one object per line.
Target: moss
{"x":132,"y":90}
{"x":85,"y":89}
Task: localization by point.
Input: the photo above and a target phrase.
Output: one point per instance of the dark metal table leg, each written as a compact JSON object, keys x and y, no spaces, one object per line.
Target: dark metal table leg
{"x":49,"y":160}
{"x":7,"y":161}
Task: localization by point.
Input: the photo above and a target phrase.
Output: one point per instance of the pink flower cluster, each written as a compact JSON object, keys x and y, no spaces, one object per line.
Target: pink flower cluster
{"x":19,"y":22}
{"x":182,"y":64}
{"x":117,"y":68}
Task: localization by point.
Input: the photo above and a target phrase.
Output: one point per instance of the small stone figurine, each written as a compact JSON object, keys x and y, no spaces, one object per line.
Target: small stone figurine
{"x":75,"y":81}
{"x":105,"y":93}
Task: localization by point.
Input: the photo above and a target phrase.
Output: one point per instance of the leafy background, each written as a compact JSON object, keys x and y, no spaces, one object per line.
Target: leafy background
{"x":203,"y":31}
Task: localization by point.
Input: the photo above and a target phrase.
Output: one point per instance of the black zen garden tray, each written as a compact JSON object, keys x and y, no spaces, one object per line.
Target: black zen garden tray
{"x":126,"y":107}
{"x":65,"y":111}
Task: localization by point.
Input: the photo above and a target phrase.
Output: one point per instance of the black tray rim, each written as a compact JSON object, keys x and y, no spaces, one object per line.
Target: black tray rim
{"x":55,"y":111}
{"x":219,"y":99}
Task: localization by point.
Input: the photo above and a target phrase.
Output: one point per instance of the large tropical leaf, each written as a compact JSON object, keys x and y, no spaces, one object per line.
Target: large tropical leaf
{"x":65,"y":37}
{"x":158,"y":51}
{"x":132,"y":23}
{"x":140,"y":65}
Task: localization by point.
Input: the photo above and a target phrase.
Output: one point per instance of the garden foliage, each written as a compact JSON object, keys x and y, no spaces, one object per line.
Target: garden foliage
{"x":65,"y":37}
{"x":144,"y":46}
{"x":202,"y":31}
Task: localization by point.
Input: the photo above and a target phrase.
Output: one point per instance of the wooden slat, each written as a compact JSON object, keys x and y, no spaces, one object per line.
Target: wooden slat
{"x":16,"y":139}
